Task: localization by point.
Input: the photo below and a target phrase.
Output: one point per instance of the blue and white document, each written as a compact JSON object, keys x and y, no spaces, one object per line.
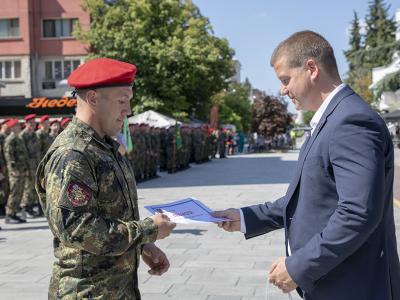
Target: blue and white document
{"x":186,"y":211}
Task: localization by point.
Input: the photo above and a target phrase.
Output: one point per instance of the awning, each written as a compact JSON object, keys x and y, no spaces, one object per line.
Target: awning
{"x":19,"y":106}
{"x":154,"y":119}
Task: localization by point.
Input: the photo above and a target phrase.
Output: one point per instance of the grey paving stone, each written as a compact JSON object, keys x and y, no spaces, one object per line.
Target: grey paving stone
{"x":206,"y":263}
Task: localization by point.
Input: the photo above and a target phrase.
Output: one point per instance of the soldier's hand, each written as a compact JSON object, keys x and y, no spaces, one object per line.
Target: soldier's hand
{"x":156,"y":259}
{"x":233,"y":215}
{"x":164,"y":224}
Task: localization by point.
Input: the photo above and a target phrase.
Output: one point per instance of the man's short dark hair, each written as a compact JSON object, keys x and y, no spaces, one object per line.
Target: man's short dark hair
{"x":303,"y":45}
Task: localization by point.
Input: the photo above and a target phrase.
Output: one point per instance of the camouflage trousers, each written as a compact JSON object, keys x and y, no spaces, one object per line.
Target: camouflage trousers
{"x":15,"y":195}
{"x":4,"y":189}
{"x":198,"y":154}
{"x":29,"y":197}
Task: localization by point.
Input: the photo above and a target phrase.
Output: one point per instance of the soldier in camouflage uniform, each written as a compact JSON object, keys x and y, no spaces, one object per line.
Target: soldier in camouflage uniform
{"x":28,"y":135}
{"x":17,"y":160}
{"x":4,"y":188}
{"x":136,"y":152}
{"x":43,"y":135}
{"x":163,"y":149}
{"x":54,"y":129}
{"x":142,"y":151}
{"x":88,"y":192}
{"x":155,"y":142}
{"x":214,"y":146}
{"x":171,"y":149}
{"x":221,"y":141}
{"x":186,"y":145}
{"x":198,"y":145}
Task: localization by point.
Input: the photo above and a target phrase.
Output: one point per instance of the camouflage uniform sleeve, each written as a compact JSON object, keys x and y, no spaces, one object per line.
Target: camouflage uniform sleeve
{"x":71,"y":210}
{"x":10,"y":157}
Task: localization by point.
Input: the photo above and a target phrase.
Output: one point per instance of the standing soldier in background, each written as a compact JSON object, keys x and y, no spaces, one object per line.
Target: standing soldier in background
{"x":131,"y":155}
{"x":43,"y":135}
{"x":163,"y":150}
{"x":89,"y":194}
{"x":28,"y":135}
{"x":147,"y":151}
{"x":136,"y":152}
{"x":141,"y":143}
{"x":4,"y":188}
{"x":205,"y":144}
{"x":155,"y":141}
{"x":54,"y":129}
{"x":214,"y":146}
{"x":221,"y":143}
{"x":198,"y":145}
{"x":171,"y":150}
{"x":186,"y":145}
{"x":17,"y":160}
{"x":64,"y":123}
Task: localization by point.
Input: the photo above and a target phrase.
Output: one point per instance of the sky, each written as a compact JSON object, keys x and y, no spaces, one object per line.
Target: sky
{"x":255,"y":27}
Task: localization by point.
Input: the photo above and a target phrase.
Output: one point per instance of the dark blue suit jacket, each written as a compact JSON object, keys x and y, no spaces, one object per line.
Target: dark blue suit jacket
{"x":338,"y":210}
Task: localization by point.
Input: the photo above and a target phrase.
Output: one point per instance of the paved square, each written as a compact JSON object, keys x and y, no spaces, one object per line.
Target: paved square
{"x":206,"y":263}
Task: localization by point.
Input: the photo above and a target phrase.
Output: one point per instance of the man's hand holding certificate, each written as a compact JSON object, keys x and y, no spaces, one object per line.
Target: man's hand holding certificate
{"x":186,"y":211}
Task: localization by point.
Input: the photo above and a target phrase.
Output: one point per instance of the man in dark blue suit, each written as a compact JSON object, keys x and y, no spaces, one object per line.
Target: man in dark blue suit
{"x":338,"y":210}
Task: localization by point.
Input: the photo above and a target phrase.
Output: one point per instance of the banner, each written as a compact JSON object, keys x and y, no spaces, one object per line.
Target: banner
{"x":127,"y":135}
{"x":19,"y":106}
{"x":178,"y":137}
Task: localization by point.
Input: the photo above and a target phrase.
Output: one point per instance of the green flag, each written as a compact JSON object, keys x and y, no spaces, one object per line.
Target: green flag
{"x":178,"y":137}
{"x":127,"y":135}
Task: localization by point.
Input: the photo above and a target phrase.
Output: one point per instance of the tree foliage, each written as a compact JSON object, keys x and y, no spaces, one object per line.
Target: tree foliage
{"x":375,"y":49}
{"x":307,"y":117}
{"x":181,"y":64}
{"x":270,"y":116}
{"x":381,"y":29}
{"x":235,"y":106}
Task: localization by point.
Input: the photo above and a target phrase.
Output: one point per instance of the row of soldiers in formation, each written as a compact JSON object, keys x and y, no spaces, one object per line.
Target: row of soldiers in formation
{"x":172,"y":149}
{"x":23,"y":145}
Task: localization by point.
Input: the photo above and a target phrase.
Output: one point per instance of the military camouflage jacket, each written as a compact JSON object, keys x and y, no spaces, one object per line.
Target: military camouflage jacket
{"x":32,"y":145}
{"x":88,"y":192}
{"x":44,"y":140}
{"x":15,"y":154}
{"x":2,"y":159}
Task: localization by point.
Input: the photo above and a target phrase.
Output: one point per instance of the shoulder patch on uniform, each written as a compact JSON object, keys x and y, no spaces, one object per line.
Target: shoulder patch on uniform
{"x":78,"y":193}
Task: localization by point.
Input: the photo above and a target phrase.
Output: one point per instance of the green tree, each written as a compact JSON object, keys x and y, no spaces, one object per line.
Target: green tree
{"x":181,"y":64}
{"x":374,"y":50}
{"x":307,"y":116}
{"x":381,"y":28}
{"x":270,"y":116}
{"x":235,"y":106}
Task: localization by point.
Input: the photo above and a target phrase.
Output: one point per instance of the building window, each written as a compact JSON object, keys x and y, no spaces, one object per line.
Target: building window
{"x":10,"y":69}
{"x":58,"y":28}
{"x":9,"y":28}
{"x":58,"y":70}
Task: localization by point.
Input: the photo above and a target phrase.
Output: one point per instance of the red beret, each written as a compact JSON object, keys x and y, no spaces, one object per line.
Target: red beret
{"x":65,"y":121}
{"x":54,"y":121}
{"x":12,"y":122}
{"x":102,"y":72}
{"x":44,"y":118}
{"x":29,"y":117}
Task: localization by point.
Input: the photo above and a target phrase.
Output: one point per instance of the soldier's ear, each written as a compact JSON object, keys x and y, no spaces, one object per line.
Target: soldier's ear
{"x":91,"y":98}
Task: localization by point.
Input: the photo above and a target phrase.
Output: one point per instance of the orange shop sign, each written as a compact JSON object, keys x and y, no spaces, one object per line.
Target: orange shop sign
{"x":44,"y":102}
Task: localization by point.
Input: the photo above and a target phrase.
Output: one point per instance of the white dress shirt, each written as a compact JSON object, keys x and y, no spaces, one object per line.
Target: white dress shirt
{"x":313,"y":123}
{"x":318,"y":114}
